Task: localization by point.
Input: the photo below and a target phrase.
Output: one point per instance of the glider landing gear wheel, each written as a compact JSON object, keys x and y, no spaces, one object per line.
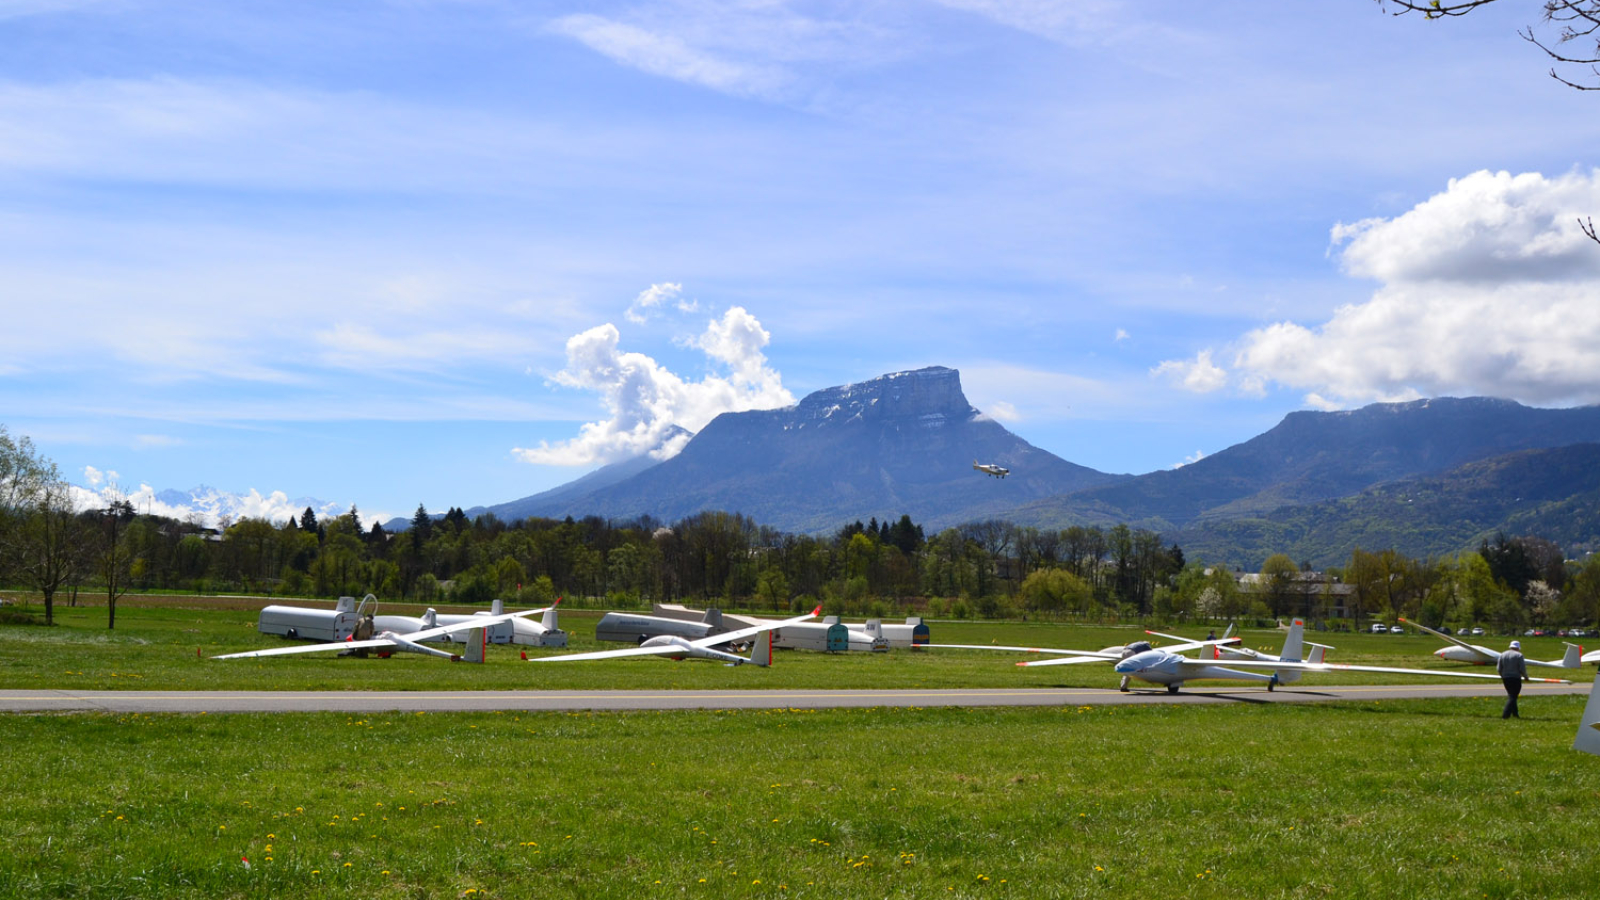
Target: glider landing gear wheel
{"x":1273,"y":683}
{"x":1172,"y":689}
{"x":1124,"y":687}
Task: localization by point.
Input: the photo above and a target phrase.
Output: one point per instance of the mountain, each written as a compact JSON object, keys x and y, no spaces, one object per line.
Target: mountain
{"x":898,"y":444}
{"x":559,"y":497}
{"x":1316,"y":456}
{"x":211,"y":506}
{"x":1553,"y":493}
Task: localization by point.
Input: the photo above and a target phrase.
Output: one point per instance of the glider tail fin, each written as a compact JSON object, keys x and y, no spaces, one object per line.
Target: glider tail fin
{"x":761,"y":652}
{"x":1293,"y":650}
{"x":477,"y":640}
{"x":1573,"y":659}
{"x":1318,"y":652}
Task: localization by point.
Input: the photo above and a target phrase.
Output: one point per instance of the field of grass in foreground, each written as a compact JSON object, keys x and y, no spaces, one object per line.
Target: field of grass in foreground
{"x":1435,"y":798}
{"x":154,"y":648}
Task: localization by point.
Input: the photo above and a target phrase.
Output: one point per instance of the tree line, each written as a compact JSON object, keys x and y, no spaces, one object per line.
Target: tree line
{"x":983,"y":568}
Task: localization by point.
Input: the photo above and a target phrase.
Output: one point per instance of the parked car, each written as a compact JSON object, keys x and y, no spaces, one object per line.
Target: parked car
{"x":1396,"y":629}
{"x":1529,"y":633}
{"x":1477,"y":632}
{"x":1379,"y":628}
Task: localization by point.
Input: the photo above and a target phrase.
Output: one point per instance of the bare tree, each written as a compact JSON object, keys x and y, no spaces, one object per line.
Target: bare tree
{"x":50,"y":544}
{"x":116,"y":558}
{"x":1576,"y":23}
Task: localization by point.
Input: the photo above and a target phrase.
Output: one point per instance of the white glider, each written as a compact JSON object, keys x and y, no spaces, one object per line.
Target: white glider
{"x":675,"y":647}
{"x":1166,"y":666}
{"x":1479,"y":655}
{"x":1319,"y":652}
{"x":393,"y":642}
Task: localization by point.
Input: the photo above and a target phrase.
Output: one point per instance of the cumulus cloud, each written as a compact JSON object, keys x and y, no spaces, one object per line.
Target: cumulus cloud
{"x":1200,"y":375}
{"x":647,"y":403}
{"x":1486,"y":288}
{"x":655,"y":296}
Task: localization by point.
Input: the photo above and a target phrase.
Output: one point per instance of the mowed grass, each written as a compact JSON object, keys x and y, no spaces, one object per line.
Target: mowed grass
{"x":168,"y":648}
{"x":1435,"y":798}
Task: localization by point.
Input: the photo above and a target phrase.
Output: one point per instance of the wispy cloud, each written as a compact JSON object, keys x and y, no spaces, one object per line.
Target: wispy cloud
{"x":670,"y":56}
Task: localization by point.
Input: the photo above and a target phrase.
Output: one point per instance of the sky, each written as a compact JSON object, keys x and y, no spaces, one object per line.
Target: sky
{"x":456,"y":252}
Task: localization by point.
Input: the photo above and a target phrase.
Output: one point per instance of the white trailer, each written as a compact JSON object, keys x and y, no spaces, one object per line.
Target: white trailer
{"x":302,"y":623}
{"x":830,"y":637}
{"x":635,"y":628}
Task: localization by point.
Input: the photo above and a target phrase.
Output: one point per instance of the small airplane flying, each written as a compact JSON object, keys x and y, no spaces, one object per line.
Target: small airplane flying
{"x":991,"y":469}
{"x":675,"y":647}
{"x":1168,"y":667}
{"x":1479,"y":655}
{"x":388,"y":642}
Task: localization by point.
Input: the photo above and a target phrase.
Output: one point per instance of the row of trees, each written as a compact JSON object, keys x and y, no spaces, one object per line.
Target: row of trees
{"x":984,"y":568}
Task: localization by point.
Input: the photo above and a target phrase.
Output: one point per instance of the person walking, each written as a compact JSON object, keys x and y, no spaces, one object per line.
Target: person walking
{"x":1513,"y":669}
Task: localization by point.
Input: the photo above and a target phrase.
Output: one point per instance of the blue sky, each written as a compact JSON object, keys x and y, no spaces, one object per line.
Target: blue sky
{"x":458,"y":252}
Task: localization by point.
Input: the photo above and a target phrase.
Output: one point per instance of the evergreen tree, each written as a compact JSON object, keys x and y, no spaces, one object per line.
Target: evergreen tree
{"x":308,"y":521}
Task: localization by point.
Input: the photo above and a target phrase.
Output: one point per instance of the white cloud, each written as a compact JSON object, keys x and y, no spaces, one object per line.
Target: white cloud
{"x":1064,"y":21}
{"x":653,"y":297}
{"x":1192,"y":458}
{"x":1120,"y":336}
{"x":1486,"y":288}
{"x":207,"y":507}
{"x":646,"y":401}
{"x":1200,"y":375}
{"x":670,"y":56}
{"x":1002,"y":411}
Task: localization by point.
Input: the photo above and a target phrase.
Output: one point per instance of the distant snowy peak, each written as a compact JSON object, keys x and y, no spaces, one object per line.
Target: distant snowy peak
{"x":209,"y":507}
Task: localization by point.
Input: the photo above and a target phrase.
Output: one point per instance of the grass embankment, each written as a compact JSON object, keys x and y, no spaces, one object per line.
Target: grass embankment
{"x":1406,"y":799}
{"x":154,"y":648}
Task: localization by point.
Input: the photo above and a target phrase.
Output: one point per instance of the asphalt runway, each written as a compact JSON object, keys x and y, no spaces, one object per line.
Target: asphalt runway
{"x":21,"y":701}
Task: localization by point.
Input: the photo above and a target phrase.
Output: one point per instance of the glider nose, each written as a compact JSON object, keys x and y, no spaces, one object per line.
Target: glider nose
{"x":1126,"y":667}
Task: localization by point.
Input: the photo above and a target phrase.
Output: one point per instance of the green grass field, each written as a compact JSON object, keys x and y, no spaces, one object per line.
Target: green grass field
{"x":155,"y":648}
{"x":1398,"y":799}
{"x":1436,"y":798}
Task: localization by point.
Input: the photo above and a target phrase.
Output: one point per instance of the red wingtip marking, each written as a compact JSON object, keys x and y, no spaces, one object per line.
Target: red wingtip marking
{"x":817,"y":611}
{"x":1021,"y":663}
{"x":557,"y":603}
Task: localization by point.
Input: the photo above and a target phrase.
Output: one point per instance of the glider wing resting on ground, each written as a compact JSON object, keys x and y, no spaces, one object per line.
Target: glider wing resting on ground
{"x":1479,"y":655}
{"x":394,"y":642}
{"x":671,"y":645}
{"x":1167,"y":666}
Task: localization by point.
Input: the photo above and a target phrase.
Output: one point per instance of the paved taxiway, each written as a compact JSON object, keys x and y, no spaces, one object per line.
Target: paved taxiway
{"x":446,"y":701}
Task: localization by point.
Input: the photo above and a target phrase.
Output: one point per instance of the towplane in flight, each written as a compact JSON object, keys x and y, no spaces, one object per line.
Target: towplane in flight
{"x":991,"y":469}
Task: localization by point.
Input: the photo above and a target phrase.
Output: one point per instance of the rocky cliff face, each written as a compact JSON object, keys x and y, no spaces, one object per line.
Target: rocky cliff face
{"x":902,"y":443}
